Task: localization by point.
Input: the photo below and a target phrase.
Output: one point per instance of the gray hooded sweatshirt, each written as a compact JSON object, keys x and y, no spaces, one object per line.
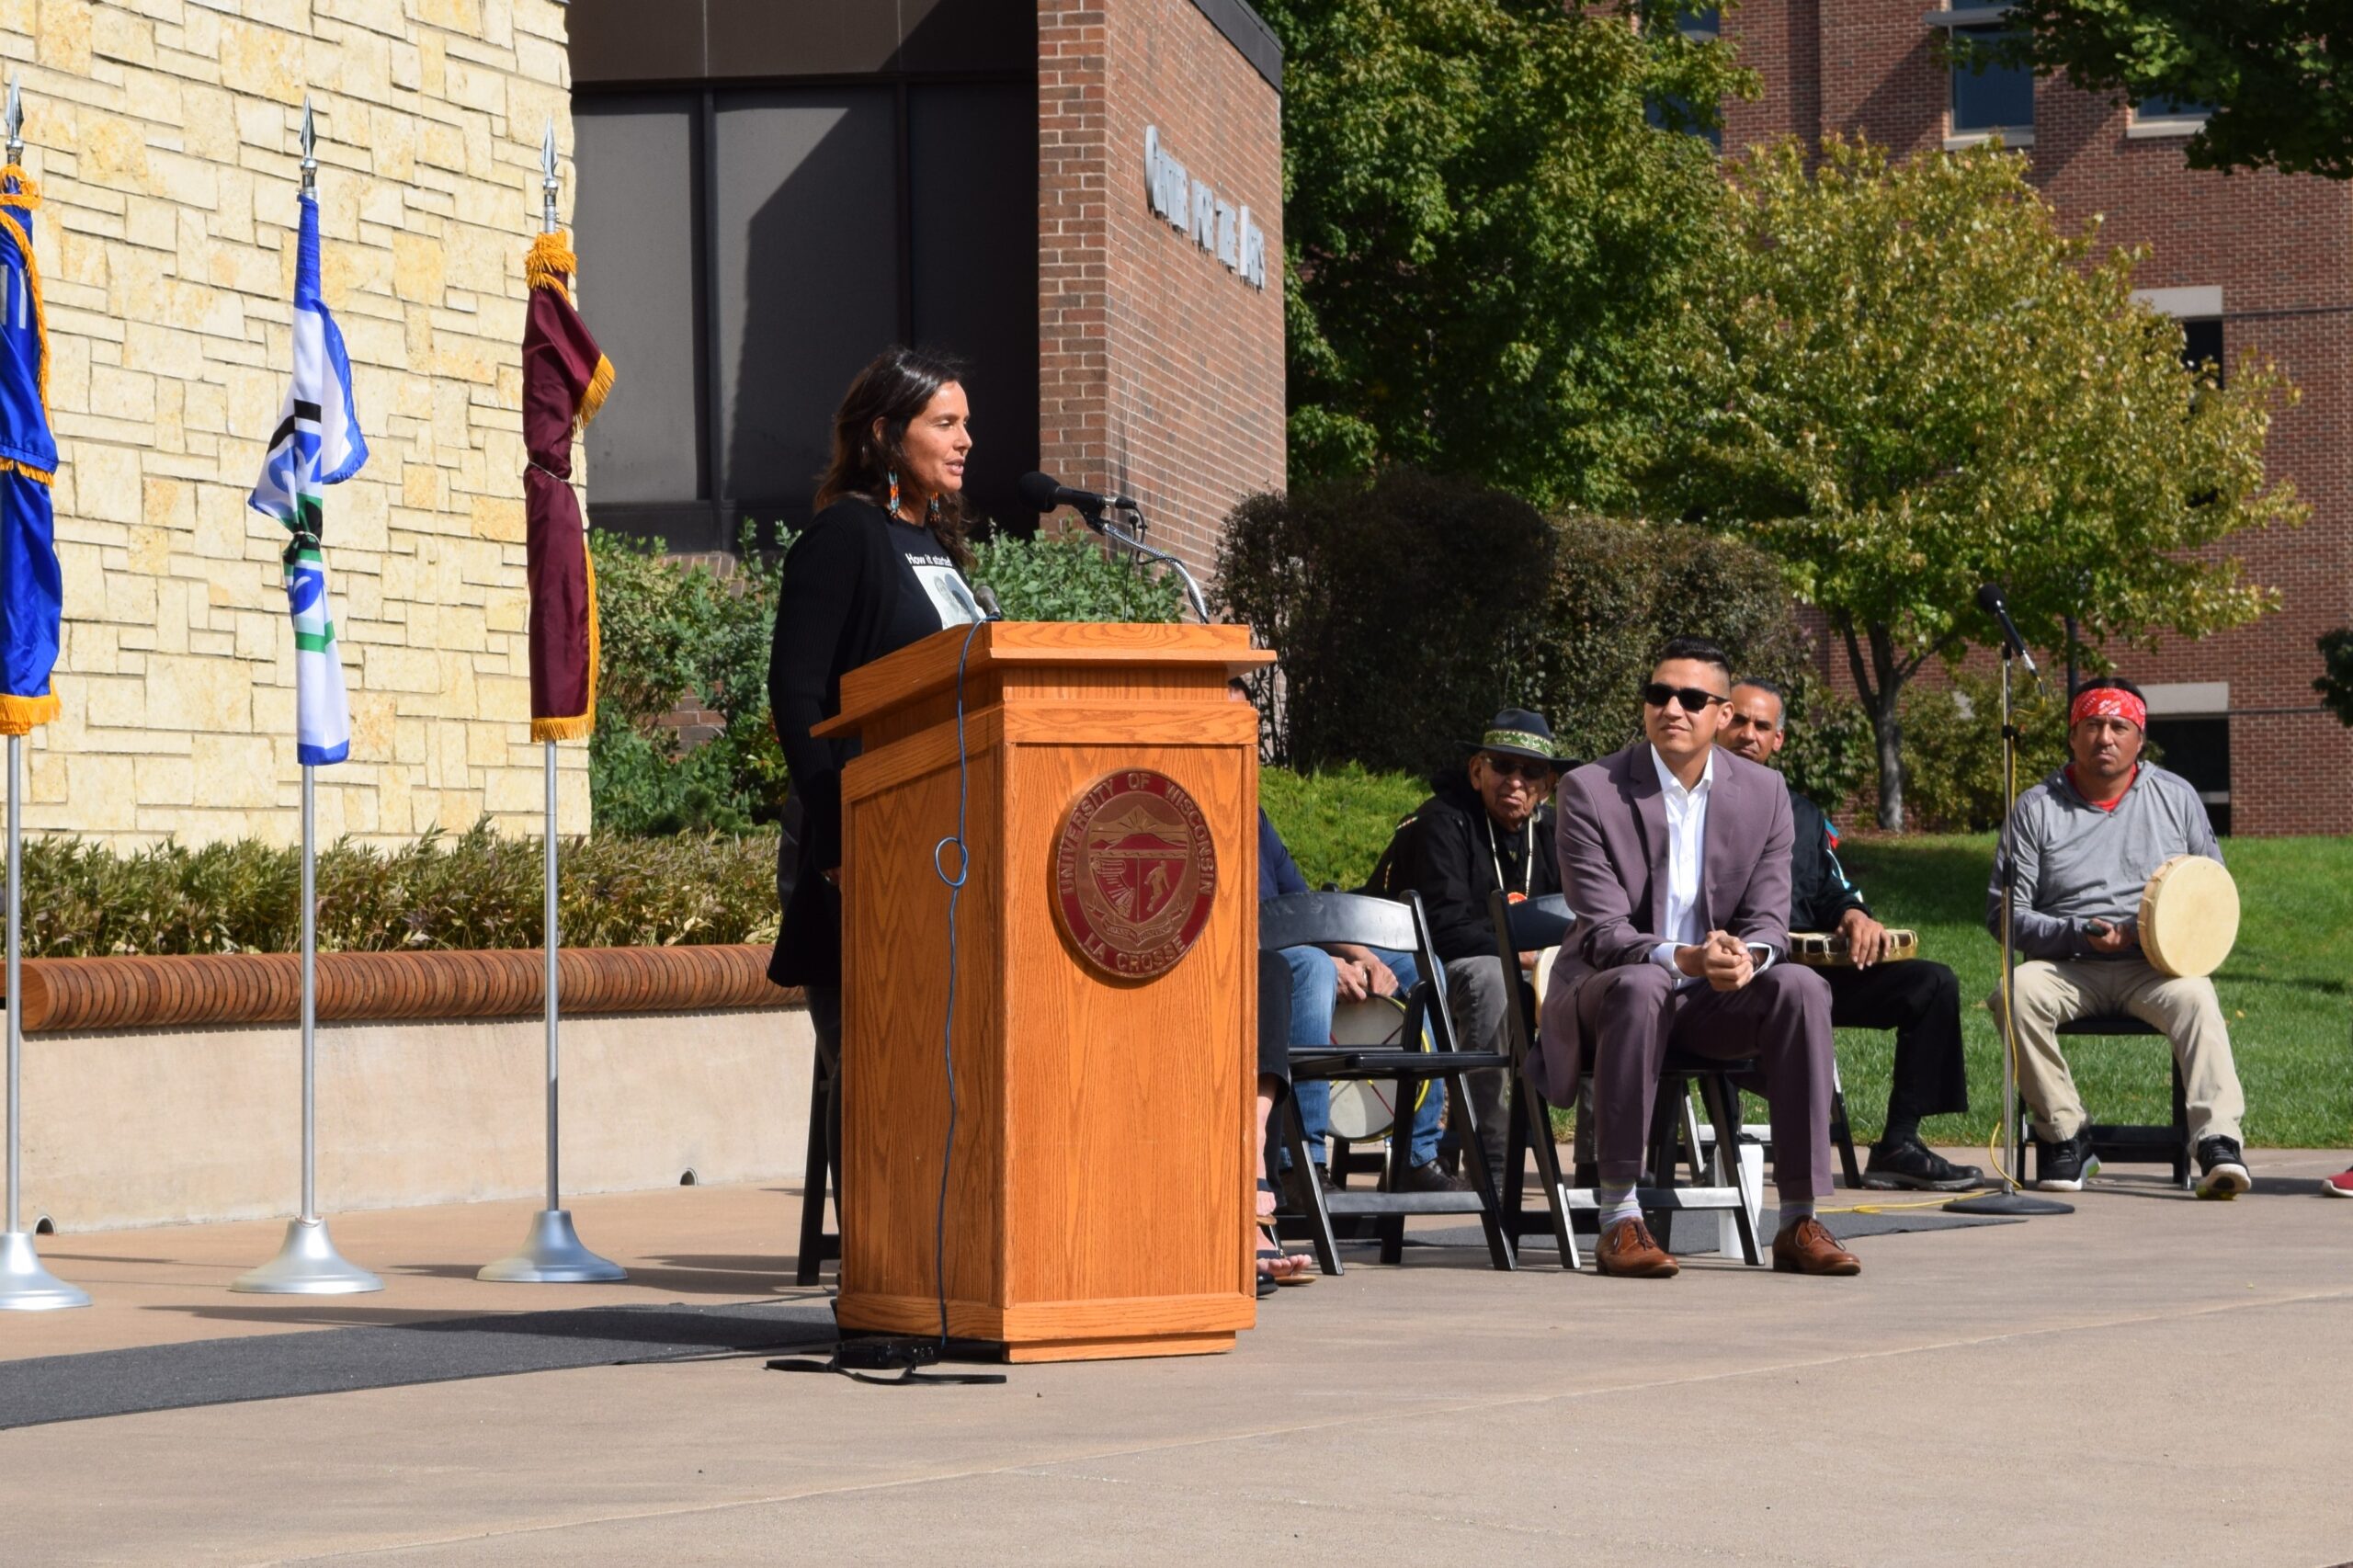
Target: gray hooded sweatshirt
{"x":2078,"y":863}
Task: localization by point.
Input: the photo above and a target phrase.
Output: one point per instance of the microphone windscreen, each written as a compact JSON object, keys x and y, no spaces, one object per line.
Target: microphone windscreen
{"x":1036,"y":489}
{"x":1989,"y":600}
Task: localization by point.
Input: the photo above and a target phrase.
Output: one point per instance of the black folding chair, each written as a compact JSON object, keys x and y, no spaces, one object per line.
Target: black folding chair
{"x":1673,"y":1133}
{"x":1322,"y":919}
{"x":2139,"y":1143}
{"x":818,"y":1246}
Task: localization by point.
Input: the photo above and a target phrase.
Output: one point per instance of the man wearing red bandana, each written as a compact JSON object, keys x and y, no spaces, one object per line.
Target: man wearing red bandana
{"x":2087,"y":838}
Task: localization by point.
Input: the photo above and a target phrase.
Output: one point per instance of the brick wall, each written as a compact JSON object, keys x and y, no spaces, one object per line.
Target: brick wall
{"x":164,"y":135}
{"x":2280,"y":250}
{"x":1160,"y":371}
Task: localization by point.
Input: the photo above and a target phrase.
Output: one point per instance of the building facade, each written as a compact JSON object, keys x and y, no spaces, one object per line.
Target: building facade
{"x":164,"y":138}
{"x":1082,"y":202}
{"x":2252,"y":264}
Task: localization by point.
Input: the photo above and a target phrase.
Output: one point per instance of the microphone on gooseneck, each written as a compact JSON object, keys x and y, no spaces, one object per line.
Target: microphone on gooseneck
{"x":985,"y":597}
{"x":1990,"y":600}
{"x":1046,"y":493}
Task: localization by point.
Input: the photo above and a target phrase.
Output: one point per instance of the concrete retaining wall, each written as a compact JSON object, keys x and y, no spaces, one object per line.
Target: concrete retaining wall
{"x":143,"y":1126}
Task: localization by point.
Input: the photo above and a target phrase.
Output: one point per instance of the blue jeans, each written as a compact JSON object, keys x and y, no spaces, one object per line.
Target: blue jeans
{"x":1314,"y":992}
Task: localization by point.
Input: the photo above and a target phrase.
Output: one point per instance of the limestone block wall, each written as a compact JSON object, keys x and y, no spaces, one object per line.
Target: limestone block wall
{"x":164,"y":135}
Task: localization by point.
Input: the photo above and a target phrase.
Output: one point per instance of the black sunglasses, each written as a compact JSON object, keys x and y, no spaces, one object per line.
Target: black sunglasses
{"x":1694,"y":700}
{"x":1520,"y":767}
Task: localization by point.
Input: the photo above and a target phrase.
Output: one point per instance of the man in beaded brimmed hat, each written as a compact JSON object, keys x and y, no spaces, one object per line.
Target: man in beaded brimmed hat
{"x":1487,"y":825}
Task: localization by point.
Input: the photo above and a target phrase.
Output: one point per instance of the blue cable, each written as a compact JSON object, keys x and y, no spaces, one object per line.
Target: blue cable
{"x":947,"y":1024}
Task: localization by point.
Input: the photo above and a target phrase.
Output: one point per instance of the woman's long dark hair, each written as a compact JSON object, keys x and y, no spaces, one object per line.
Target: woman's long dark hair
{"x":896,"y":388}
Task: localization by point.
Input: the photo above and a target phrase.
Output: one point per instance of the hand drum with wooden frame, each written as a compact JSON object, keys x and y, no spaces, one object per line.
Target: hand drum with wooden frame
{"x":1362,"y":1109}
{"x":2189,"y":916}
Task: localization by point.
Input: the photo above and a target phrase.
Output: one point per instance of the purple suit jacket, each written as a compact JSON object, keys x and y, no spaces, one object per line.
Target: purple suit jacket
{"x":1611,"y":838}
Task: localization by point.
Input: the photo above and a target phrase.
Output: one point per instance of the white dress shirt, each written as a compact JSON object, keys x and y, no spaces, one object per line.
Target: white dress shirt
{"x":1687,"y":839}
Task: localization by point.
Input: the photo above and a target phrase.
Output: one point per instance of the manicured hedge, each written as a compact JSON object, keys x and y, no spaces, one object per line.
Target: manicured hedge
{"x":477,"y":890}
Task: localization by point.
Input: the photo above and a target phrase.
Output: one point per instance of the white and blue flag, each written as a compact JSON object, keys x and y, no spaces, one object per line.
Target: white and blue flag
{"x":317,"y":443}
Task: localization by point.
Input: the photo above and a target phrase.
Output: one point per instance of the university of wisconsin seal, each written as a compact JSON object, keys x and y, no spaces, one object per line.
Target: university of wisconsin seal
{"x":1134,"y":873}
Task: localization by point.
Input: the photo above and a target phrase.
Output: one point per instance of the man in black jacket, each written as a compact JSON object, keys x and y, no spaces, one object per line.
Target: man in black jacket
{"x":1486,"y":825}
{"x":1919,"y":1000}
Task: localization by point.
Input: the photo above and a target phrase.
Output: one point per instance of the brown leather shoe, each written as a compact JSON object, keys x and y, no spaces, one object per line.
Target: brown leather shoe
{"x":1627,"y":1250}
{"x":1807,"y":1247}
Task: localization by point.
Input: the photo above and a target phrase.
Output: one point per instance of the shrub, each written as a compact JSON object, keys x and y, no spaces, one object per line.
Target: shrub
{"x":2335,"y":682}
{"x":1406,"y":612}
{"x":1401,"y":610}
{"x":671,"y":627}
{"x":477,"y":890}
{"x":1952,"y":749}
{"x":1072,"y":578}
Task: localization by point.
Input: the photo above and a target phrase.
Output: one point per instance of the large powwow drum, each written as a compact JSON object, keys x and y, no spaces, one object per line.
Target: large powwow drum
{"x":1362,"y":1111}
{"x":1827,"y":949}
{"x":2189,"y":916}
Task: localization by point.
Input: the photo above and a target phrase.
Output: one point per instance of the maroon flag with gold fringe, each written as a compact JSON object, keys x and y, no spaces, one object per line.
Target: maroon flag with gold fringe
{"x":565,"y":382}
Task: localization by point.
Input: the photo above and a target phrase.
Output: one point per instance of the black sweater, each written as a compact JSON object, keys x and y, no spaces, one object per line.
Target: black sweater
{"x":836,"y":611}
{"x":1450,"y":856}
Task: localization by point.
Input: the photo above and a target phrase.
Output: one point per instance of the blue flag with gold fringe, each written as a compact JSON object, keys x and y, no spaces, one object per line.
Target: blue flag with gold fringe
{"x":32,"y":592}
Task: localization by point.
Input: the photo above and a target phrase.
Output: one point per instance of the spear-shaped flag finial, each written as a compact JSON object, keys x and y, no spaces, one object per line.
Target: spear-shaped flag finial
{"x":14,"y":121}
{"x":310,"y":147}
{"x":547,"y":178}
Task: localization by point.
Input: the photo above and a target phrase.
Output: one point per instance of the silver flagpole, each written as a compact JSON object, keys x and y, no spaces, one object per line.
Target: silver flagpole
{"x":307,"y":1263}
{"x":25,"y":1285}
{"x":552,"y":1253}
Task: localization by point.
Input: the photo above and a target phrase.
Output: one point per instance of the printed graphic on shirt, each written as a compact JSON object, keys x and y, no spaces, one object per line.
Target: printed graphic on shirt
{"x":950,"y":594}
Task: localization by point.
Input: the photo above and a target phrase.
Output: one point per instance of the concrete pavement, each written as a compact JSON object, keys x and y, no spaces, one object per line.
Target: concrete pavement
{"x":2151,"y":1378}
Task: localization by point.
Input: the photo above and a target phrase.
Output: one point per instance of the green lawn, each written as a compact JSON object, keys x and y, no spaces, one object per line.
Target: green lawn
{"x":2285,"y":990}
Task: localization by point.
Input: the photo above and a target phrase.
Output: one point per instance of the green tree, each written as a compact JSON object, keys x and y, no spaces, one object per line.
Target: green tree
{"x":1486,"y":237}
{"x":2277,"y":74}
{"x":1915,"y":384}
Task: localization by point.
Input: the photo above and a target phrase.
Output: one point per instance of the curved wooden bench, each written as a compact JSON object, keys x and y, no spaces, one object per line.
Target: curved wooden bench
{"x":265,"y":988}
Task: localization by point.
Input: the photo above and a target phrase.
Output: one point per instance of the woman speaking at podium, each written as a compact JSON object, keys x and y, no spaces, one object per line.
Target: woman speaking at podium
{"x":879,"y":567}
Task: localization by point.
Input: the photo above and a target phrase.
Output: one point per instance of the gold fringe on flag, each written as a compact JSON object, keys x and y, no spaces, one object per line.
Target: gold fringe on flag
{"x":579,"y":725}
{"x":19,"y":714}
{"x":27,"y":198}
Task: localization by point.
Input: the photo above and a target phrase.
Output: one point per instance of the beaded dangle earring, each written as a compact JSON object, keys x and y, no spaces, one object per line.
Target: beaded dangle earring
{"x":935,"y":511}
{"x":894,"y":475}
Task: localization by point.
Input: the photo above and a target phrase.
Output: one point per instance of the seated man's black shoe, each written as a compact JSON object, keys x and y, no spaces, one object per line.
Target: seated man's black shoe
{"x":1913,"y":1165}
{"x":2221,"y":1168}
{"x":1430,"y":1176}
{"x":2065,"y":1166}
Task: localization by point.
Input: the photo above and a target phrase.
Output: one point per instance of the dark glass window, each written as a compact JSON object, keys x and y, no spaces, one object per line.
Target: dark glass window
{"x":1672,"y":113}
{"x":2163,"y":108}
{"x":2201,"y":343}
{"x":2200,"y":750}
{"x":744,"y":250}
{"x":1986,"y":96}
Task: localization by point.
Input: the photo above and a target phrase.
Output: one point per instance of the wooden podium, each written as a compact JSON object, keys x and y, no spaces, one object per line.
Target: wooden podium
{"x":1100,"y":1196}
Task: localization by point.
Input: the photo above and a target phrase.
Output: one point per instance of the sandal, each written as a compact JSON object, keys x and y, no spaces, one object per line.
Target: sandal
{"x":1276,"y":1267}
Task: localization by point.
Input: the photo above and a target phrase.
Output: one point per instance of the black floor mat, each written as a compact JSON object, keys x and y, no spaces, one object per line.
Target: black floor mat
{"x":43,"y":1389}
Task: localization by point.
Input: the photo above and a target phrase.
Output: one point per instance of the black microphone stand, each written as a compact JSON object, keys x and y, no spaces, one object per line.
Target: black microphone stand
{"x":2009,"y":1202}
{"x":1095,"y":520}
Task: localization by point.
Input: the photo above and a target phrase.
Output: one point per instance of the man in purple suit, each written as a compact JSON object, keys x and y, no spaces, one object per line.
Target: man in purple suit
{"x":1676,"y":858}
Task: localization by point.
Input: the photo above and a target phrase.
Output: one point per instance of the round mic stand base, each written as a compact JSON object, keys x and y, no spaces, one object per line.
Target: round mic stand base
{"x":552,"y":1254}
{"x":25,"y":1285}
{"x":2013,"y":1202}
{"x":307,"y":1264}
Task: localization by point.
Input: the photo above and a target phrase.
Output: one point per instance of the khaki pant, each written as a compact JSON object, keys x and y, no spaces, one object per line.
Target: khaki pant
{"x":2187,"y":1012}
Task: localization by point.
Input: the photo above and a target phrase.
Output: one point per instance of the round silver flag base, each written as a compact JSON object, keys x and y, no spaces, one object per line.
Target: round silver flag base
{"x":25,"y":1285}
{"x":307,"y":1264}
{"x":552,"y":1254}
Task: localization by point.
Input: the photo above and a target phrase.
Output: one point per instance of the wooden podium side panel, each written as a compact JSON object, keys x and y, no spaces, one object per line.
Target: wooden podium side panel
{"x":1131,"y":1103}
{"x":894,"y":1102}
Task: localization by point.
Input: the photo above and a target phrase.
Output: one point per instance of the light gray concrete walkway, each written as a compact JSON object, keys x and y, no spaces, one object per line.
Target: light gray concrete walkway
{"x":2151,"y":1380}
